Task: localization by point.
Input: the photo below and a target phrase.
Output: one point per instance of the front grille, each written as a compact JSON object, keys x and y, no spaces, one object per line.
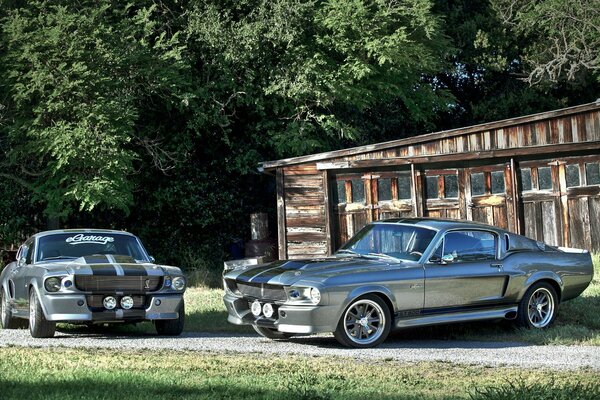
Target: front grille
{"x":113,"y":284}
{"x":96,"y":301}
{"x":262,"y":291}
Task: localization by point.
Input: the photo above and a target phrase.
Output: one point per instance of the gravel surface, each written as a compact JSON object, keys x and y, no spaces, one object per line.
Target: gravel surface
{"x":462,"y":352}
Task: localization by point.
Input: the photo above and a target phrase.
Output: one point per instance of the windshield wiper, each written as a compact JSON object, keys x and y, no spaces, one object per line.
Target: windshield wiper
{"x":386,"y":256}
{"x":59,"y":257}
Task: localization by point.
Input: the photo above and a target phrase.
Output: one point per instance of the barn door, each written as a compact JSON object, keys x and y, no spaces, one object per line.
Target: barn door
{"x":360,"y":198}
{"x":540,"y":194}
{"x":443,"y":194}
{"x":489,"y":196}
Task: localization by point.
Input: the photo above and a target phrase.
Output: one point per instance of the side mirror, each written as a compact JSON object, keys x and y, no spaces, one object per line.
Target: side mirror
{"x":152,"y":259}
{"x":21,"y":262}
{"x":448,"y":258}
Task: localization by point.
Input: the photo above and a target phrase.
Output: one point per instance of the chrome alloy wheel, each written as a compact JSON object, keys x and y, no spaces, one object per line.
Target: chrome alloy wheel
{"x":4,"y":306}
{"x":540,"y":308}
{"x":32,"y":306}
{"x":364,"y":322}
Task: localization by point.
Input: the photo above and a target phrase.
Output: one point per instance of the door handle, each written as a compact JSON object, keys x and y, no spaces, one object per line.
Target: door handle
{"x":495,"y":265}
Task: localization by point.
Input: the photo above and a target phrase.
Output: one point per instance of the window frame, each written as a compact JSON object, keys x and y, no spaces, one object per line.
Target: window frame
{"x":441,"y":241}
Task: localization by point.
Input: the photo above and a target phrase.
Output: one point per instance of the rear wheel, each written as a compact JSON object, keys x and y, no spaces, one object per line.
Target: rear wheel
{"x":7,"y":320}
{"x":365,"y":323}
{"x":537,"y":308}
{"x":270,"y":333}
{"x":39,"y":326}
{"x":172,"y":327}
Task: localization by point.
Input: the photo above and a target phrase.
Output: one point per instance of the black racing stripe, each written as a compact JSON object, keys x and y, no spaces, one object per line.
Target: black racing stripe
{"x":269,"y":271}
{"x":134,"y":270}
{"x":96,"y":259}
{"x":103,"y":269}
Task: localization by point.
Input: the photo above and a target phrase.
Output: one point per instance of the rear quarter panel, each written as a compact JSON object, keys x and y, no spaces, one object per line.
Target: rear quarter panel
{"x":570,"y":271}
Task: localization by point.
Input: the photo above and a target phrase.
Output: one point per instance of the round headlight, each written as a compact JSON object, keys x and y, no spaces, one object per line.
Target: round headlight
{"x":268,"y":310}
{"x":178,"y":283}
{"x":52,"y":284}
{"x":315,"y":295}
{"x":127,"y":302}
{"x":109,"y":302}
{"x":256,"y":308}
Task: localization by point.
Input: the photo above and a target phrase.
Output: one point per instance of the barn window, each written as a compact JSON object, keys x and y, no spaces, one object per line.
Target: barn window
{"x":450,"y":186}
{"x":384,"y":189}
{"x":544,"y":178}
{"x":573,"y":175}
{"x":431,"y":188}
{"x":341,"y":192}
{"x":404,"y":183}
{"x":592,"y":173}
{"x":498,"y":182}
{"x":526,"y":178}
{"x":358,"y":191}
{"x":477,"y":184}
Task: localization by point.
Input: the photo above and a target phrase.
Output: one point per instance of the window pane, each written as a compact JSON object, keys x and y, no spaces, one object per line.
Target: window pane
{"x":404,"y":187}
{"x":544,"y":178}
{"x":384,"y":189}
{"x":498,"y":182}
{"x":451,"y":186}
{"x":431,"y":188}
{"x":592,"y":172}
{"x":358,"y":191}
{"x":477,"y":184}
{"x":573,"y":175}
{"x":470,"y":246}
{"x":526,"y":178}
{"x":341,"y":192}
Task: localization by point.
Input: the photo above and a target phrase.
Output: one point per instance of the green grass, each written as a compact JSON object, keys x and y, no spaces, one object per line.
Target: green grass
{"x":35,"y":373}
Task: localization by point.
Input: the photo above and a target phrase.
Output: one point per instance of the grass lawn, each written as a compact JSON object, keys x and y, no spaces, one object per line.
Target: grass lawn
{"x":35,"y":373}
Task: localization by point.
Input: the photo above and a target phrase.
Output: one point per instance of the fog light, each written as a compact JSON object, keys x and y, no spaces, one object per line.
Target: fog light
{"x":80,"y":303}
{"x":267,"y":310}
{"x":127,"y":302}
{"x":109,"y":303}
{"x":68,"y":283}
{"x":256,"y":308}
{"x":157,"y":302}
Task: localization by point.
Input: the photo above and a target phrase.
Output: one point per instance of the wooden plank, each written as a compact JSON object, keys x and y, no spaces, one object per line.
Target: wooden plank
{"x":328,"y":213}
{"x":500,"y":216}
{"x":462,"y":205}
{"x":564,"y":204}
{"x":417,"y":191}
{"x":529,"y":219}
{"x":297,"y":221}
{"x":281,"y":215}
{"x":515,"y":199}
{"x":306,"y":236}
{"x":594,"y":216}
{"x":591,"y":107}
{"x":550,"y":223}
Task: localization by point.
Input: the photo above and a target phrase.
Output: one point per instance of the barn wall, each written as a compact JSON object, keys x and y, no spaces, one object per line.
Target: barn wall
{"x":317,"y":212}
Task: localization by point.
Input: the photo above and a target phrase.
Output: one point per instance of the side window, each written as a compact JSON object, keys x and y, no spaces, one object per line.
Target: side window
{"x":30,"y":254}
{"x":469,"y":246}
{"x":24,"y":253}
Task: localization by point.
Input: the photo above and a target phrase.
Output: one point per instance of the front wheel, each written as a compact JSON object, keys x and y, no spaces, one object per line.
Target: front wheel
{"x":271,"y":333}
{"x":39,"y":326}
{"x":366,"y":322}
{"x":172,"y":327}
{"x":537,"y":308}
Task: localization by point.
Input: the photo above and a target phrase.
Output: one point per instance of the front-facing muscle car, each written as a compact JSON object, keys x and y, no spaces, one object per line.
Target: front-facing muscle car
{"x":406,"y":273}
{"x":89,"y":277}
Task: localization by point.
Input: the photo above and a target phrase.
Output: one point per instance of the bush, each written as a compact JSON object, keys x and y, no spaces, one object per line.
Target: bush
{"x":538,"y":391}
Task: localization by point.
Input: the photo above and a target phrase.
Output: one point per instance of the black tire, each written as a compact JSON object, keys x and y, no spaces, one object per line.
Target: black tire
{"x":349,"y":322}
{"x":39,"y":326}
{"x":272,"y":334}
{"x":172,"y":327}
{"x":532,"y":315}
{"x":7,"y":320}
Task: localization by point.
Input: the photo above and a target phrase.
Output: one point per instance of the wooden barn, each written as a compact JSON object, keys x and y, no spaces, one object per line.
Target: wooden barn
{"x":537,"y":175}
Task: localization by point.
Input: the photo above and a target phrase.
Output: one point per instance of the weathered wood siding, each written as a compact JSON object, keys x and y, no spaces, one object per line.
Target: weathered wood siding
{"x":318,"y":209}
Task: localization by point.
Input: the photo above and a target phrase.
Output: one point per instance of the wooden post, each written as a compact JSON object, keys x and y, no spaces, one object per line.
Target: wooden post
{"x":516,"y":198}
{"x":328,"y":212}
{"x":281,"y":225}
{"x":564,"y":203}
{"x":417,"y":192}
{"x":259,"y":226}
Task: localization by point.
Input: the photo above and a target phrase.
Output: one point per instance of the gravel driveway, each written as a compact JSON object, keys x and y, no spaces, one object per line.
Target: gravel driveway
{"x":462,"y":352}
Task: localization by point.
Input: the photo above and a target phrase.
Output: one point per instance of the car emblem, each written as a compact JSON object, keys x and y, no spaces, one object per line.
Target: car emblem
{"x":147,"y":284}
{"x":297,"y":273}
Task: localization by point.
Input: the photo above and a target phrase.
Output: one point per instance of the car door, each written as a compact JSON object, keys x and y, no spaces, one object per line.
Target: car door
{"x":464,"y":271}
{"x":22,"y":274}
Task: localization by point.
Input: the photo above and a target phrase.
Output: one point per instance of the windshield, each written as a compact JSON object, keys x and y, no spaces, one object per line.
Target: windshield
{"x":74,"y":245}
{"x":404,"y":242}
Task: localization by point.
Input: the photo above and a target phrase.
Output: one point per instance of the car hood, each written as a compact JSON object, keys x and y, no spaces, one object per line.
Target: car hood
{"x":108,"y":265}
{"x":317,"y":270}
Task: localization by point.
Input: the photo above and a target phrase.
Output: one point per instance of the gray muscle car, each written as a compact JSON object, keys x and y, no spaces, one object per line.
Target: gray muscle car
{"x":406,"y":273}
{"x":89,"y":277}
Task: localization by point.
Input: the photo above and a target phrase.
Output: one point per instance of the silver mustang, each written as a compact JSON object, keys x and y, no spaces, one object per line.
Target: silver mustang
{"x":405,"y":273}
{"x":89,"y":277}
